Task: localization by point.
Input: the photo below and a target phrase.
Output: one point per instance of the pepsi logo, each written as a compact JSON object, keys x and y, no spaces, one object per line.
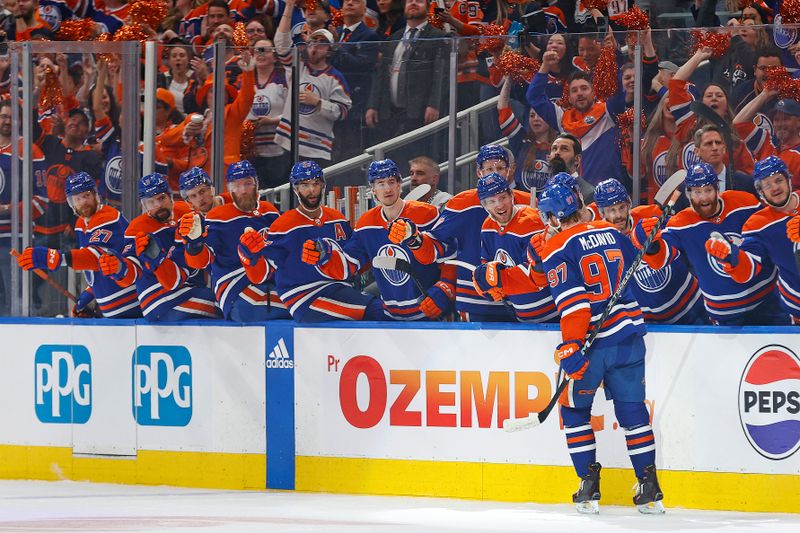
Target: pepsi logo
{"x":769,"y":402}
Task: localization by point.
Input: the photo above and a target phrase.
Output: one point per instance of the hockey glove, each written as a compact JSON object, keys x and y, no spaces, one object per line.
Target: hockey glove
{"x":250,"y":245}
{"x":642,"y":230}
{"x":793,"y":228}
{"x":723,"y":250}
{"x":440,"y":297}
{"x":149,"y":252}
{"x":487,"y":279}
{"x":535,"y":262}
{"x":316,"y":252}
{"x":83,"y":307}
{"x":572,"y":361}
{"x":113,"y":265}
{"x":404,"y":231}
{"x":192,"y":229}
{"x":39,"y":257}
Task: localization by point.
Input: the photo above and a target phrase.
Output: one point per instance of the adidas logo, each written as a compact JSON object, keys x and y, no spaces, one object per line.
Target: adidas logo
{"x":279,"y":356}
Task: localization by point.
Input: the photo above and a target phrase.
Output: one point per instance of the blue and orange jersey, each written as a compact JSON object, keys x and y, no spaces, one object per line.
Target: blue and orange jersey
{"x":61,"y":162}
{"x":679,"y":99}
{"x":110,"y":181}
{"x":155,"y":298}
{"x":459,"y":229}
{"x":508,"y":245}
{"x":596,"y":129}
{"x":39,"y":192}
{"x":670,"y":295}
{"x":584,"y":265}
{"x":764,"y":242}
{"x":104,"y":231}
{"x":226,"y":224}
{"x":399,"y":292}
{"x":109,"y":19}
{"x":687,"y":232}
{"x":297,"y":282}
{"x":54,"y":12}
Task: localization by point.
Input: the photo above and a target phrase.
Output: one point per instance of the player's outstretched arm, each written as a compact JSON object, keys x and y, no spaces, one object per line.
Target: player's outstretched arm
{"x":426,"y":248}
{"x":657,"y":255}
{"x":121,"y":269}
{"x":250,"y":250}
{"x":328,"y":258}
{"x":737,"y":263}
{"x":193,"y":230}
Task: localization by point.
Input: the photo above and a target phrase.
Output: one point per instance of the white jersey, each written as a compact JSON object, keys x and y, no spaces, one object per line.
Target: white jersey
{"x":316,"y":123}
{"x":269,"y":100}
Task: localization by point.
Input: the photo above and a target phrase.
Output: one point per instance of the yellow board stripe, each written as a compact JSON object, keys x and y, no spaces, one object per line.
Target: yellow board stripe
{"x":182,"y":469}
{"x":488,"y":481}
{"x":542,"y":484}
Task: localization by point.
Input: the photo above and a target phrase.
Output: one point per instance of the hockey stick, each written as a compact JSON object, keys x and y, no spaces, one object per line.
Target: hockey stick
{"x":418,"y":192}
{"x":666,"y":198}
{"x":401,"y":265}
{"x":50,"y":281}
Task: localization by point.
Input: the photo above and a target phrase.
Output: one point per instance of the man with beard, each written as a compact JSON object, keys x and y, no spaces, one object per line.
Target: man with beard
{"x":100,"y":230}
{"x":667,"y":296}
{"x":402,"y":297}
{"x":229,"y":241}
{"x":764,"y":236}
{"x":30,"y":24}
{"x":310,"y":294}
{"x":565,"y":156}
{"x":505,"y":235}
{"x":197,"y":190}
{"x":727,"y":302}
{"x":153,"y":260}
{"x":593,"y":123}
{"x":458,"y":231}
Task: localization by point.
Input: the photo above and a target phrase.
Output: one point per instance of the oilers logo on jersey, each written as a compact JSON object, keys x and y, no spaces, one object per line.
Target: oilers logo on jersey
{"x":56,"y":177}
{"x":307,"y":109}
{"x":688,"y":157}
{"x":51,"y":15}
{"x":504,"y":257}
{"x":261,"y":105}
{"x":736,"y":239}
{"x":395,"y":277}
{"x":650,"y":280}
{"x":114,"y":175}
{"x":660,"y":168}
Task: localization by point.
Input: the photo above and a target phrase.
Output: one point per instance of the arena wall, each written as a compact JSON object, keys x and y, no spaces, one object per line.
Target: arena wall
{"x":388,"y":409}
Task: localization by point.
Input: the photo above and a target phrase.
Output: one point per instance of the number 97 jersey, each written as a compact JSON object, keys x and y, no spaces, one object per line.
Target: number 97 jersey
{"x":584,"y":266}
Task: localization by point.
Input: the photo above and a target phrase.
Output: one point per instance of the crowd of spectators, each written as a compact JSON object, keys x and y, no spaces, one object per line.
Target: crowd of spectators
{"x":374,"y":69}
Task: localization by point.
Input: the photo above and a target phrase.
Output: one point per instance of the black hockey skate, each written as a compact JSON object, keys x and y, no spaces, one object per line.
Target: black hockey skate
{"x":648,"y":497}
{"x":588,"y":496}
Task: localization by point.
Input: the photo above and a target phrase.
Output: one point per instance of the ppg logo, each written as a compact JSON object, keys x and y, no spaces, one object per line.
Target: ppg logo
{"x":162,"y":386}
{"x":63,"y":385}
{"x":769,"y":402}
{"x":279,"y":356}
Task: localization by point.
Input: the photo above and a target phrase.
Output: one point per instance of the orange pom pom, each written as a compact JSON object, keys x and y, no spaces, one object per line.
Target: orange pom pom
{"x":76,"y":30}
{"x":490,"y":38}
{"x":778,"y":79}
{"x":605,"y":74}
{"x":248,"y":144}
{"x":594,"y":4}
{"x":633,"y":19}
{"x":563,"y":102}
{"x":790,"y":12}
{"x":718,"y":42}
{"x":131,"y":32}
{"x":148,"y":12}
{"x":311,"y":5}
{"x":240,"y":36}
{"x":520,"y":68}
{"x":104,"y":38}
{"x":50,"y":94}
{"x":336,"y":18}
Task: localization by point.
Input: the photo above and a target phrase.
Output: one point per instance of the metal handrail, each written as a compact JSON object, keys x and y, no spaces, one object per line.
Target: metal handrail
{"x":401,"y":140}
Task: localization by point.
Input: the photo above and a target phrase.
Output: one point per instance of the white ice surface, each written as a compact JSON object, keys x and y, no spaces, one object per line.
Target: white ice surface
{"x":86,"y":507}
